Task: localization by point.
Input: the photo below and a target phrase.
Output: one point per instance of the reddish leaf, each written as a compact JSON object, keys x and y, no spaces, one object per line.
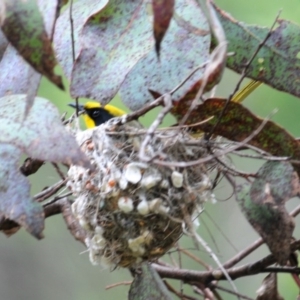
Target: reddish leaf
{"x":162,"y":12}
{"x":25,"y":80}
{"x":239,"y":123}
{"x":24,"y":28}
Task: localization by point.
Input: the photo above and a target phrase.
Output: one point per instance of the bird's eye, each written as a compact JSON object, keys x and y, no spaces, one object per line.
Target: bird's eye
{"x":96,"y":113}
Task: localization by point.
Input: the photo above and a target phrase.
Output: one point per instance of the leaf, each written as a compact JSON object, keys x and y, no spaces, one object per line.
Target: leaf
{"x":62,"y":35}
{"x":163,"y":12}
{"x":185,"y":47}
{"x":41,"y":135}
{"x":17,"y":76}
{"x":24,"y":28}
{"x":147,"y":285}
{"x":239,"y":123}
{"x":15,"y":201}
{"x":276,"y":63}
{"x":279,"y":179}
{"x":49,"y":11}
{"x":263,"y":205}
{"x":268,"y":289}
{"x":112,"y":40}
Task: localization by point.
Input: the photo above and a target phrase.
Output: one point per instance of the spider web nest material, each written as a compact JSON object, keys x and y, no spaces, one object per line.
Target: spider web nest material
{"x":135,"y":211}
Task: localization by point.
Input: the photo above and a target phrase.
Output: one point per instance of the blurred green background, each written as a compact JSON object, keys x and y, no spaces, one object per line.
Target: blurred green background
{"x":58,"y":267}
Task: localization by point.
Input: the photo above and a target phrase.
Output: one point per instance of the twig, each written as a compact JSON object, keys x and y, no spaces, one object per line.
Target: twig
{"x":72,"y":30}
{"x":290,"y":270}
{"x":265,"y":157}
{"x":185,"y":164}
{"x":46,"y":193}
{"x":201,"y":242}
{"x":236,"y":272}
{"x":178,"y":294}
{"x":214,"y":286}
{"x":217,"y":57}
{"x":55,"y":199}
{"x":72,"y":224}
{"x":157,"y":102}
{"x":208,"y":276}
{"x":195,"y":258}
{"x":73,"y":46}
{"x":220,"y":230}
{"x":72,"y":118}
{"x":111,"y":286}
{"x":241,"y":255}
{"x":167,"y":106}
{"x":58,"y":170}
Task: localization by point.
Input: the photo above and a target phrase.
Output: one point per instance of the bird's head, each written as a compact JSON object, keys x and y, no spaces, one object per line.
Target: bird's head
{"x":95,"y":114}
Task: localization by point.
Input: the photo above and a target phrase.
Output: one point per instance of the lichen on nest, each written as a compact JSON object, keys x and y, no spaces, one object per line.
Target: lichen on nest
{"x":135,"y":210}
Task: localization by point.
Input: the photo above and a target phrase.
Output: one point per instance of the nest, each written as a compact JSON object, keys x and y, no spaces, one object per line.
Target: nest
{"x":135,"y":211}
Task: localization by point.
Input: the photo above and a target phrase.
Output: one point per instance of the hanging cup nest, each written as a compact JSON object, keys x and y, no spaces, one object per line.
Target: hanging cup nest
{"x":133,"y":210}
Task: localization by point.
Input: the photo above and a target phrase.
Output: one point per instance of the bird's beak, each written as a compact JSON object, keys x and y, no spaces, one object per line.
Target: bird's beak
{"x":80,"y":107}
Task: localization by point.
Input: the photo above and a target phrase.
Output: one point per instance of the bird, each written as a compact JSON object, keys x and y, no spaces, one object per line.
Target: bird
{"x":95,"y":114}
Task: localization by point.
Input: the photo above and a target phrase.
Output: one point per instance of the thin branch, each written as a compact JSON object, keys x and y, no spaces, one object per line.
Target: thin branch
{"x":217,"y":58}
{"x":59,"y":171}
{"x":73,"y":46}
{"x":150,"y":132}
{"x":234,"y":273}
{"x":265,"y":157}
{"x":177,"y":293}
{"x":244,"y":253}
{"x":111,"y":286}
{"x":195,"y":258}
{"x":72,"y":224}
{"x":72,"y":30}
{"x":220,"y":230}
{"x":241,"y":255}
{"x":50,"y":191}
{"x":157,"y":102}
{"x":201,"y":242}
{"x":55,"y":199}
{"x":221,"y":288}
{"x":184,"y":164}
{"x":290,"y":270}
{"x":243,"y":75}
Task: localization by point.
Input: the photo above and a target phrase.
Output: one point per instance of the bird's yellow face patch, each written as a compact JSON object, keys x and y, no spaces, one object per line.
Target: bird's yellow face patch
{"x":114,"y":111}
{"x":89,"y":122}
{"x":91,"y":104}
{"x":90,"y":108}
